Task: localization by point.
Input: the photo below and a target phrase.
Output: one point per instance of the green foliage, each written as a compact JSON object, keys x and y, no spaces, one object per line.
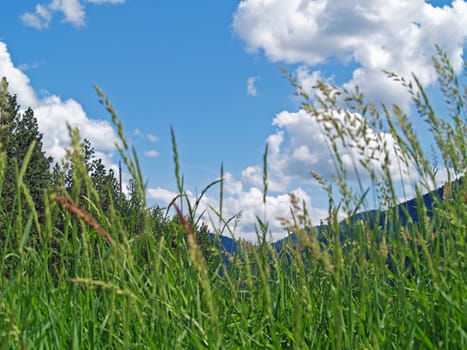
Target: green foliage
{"x":157,"y":283}
{"x":24,"y":169}
{"x":69,"y":178}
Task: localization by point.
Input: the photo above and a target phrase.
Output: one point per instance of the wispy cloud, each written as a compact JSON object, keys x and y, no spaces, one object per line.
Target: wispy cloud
{"x":106,"y":1}
{"x":28,"y":66}
{"x":152,"y":138}
{"x":72,"y":10}
{"x":39,"y":19}
{"x":138,"y":132}
{"x":251,"y":86}
{"x":151,"y":153}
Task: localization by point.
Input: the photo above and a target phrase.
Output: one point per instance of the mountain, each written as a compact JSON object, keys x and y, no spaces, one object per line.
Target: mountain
{"x":408,"y":211}
{"x":228,"y":244}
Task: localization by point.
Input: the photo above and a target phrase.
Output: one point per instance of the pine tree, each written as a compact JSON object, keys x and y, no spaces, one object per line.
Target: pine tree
{"x":103,"y":180}
{"x":133,"y":210}
{"x":18,"y":132}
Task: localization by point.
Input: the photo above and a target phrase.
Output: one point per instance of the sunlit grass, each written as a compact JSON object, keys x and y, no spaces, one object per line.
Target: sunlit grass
{"x":85,"y":281}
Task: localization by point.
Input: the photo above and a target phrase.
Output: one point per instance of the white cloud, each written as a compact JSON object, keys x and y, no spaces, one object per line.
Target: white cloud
{"x":106,"y":1}
{"x":72,"y":10}
{"x":298,"y":146}
{"x":308,"y":80}
{"x":231,"y":185}
{"x":18,"y":81}
{"x":397,"y":35}
{"x":373,"y":36}
{"x":40,"y":19}
{"x":162,"y":196}
{"x":151,"y":153}
{"x":248,"y":201}
{"x":251,"y":86}
{"x":138,"y":132}
{"x":307,"y":147}
{"x":28,"y":66}
{"x":53,"y":113}
{"x":153,"y":138}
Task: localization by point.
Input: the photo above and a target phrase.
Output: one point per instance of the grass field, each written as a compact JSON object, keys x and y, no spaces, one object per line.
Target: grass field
{"x":72,"y":280}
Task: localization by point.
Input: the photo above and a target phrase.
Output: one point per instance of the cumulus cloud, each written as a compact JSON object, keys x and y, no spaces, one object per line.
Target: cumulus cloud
{"x":249,"y":203}
{"x":246,"y":202}
{"x":18,"y":81}
{"x":251,"y":86}
{"x":397,"y":35}
{"x":72,"y":10}
{"x":298,"y":146}
{"x":308,"y":79}
{"x":278,"y":179}
{"x":53,"y":114}
{"x":368,"y":37}
{"x":162,"y":196}
{"x":307,"y":147}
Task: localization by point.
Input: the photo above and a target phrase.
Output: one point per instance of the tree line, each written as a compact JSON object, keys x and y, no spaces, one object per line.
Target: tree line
{"x":81,"y":177}
{"x":20,"y":135}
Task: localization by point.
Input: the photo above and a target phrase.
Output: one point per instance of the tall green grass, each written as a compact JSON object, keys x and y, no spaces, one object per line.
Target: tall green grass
{"x":388,"y":287}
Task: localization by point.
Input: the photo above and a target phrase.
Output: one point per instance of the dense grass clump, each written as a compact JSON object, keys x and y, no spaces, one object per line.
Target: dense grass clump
{"x":73,"y":276}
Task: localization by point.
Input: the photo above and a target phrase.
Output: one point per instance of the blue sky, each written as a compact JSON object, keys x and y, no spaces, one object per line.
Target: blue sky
{"x":211,"y":72}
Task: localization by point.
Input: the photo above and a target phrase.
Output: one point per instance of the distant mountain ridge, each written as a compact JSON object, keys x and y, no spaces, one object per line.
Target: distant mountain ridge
{"x":406,"y":211}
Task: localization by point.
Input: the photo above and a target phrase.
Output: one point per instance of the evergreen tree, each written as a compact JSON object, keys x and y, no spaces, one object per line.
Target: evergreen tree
{"x":103,"y":180}
{"x":18,"y":132}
